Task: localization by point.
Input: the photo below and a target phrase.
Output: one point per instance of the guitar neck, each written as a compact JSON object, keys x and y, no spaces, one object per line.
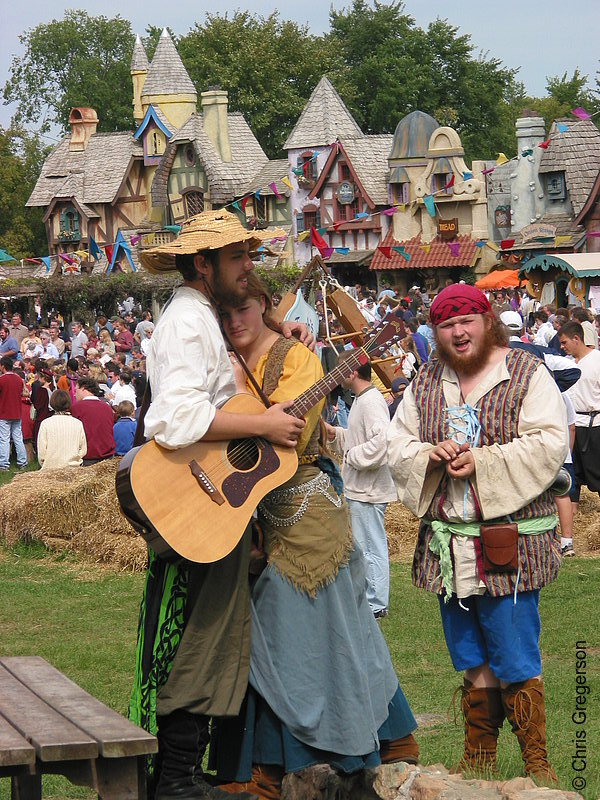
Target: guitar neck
{"x":322,"y":387}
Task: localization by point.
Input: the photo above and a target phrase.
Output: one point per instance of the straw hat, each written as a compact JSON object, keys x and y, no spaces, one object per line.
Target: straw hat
{"x":209,"y":230}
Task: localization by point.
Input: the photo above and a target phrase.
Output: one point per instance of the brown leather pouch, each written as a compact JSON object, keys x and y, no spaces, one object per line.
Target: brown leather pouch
{"x":499,"y":544}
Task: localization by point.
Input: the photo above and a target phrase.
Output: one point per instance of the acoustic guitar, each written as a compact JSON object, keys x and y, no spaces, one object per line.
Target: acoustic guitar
{"x":195,"y":502}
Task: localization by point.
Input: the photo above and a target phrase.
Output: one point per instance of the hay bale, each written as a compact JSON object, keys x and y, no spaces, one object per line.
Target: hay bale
{"x":401,"y":527}
{"x":74,"y":508}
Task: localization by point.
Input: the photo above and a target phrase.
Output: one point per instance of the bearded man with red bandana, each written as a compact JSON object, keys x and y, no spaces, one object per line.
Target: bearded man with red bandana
{"x":474,"y":447}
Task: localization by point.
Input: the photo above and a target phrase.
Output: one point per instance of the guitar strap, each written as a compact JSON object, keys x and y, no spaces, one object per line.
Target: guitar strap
{"x":259,"y":391}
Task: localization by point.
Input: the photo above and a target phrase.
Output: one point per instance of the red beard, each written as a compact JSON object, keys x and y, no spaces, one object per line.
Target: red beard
{"x":468,"y":363}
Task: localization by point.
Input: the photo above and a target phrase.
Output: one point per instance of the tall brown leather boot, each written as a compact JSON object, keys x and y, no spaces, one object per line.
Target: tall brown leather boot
{"x":265,"y":783}
{"x":525,"y":710}
{"x":404,"y":749}
{"x":483,"y":714}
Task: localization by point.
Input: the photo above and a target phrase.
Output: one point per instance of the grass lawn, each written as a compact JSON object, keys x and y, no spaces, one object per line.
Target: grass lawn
{"x":82,"y":619}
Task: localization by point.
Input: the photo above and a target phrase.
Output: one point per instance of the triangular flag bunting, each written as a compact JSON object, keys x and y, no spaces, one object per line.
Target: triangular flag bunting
{"x":257,"y":194}
{"x":67,"y":259}
{"x":326,"y":252}
{"x":95,"y":251}
{"x":401,"y":251}
{"x":134,"y":239}
{"x":244,"y":202}
{"x":493,"y":246}
{"x":449,"y":183}
{"x":317,"y":239}
{"x":454,"y":249}
{"x":390,"y":211}
{"x":46,"y":260}
{"x":487,"y":171}
{"x":343,"y":250}
{"x":467,"y":175}
{"x":361,"y":215}
{"x":593,"y":234}
{"x":429,"y":205}
{"x":560,"y":240}
{"x":479,"y":243}
{"x":173,"y":228}
{"x":286,"y":182}
{"x":425,"y":247}
{"x":387,"y":251}
{"x":297,"y":171}
{"x":561,"y":127}
{"x":337,"y":224}
{"x":580,"y":113}
{"x":502,"y":159}
{"x":273,"y":188}
{"x":303,"y":235}
{"x":236,"y":205}
{"x":506,"y":244}
{"x":544,"y":145}
{"x":109,"y":252}
{"x":34,"y":260}
{"x":527,"y":152}
{"x":321,"y":231}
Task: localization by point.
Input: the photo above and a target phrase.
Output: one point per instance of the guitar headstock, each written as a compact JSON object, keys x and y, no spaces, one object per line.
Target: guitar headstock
{"x":389,"y":331}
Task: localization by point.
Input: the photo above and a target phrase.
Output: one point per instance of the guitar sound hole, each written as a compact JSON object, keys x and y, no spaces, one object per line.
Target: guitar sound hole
{"x":243,"y":454}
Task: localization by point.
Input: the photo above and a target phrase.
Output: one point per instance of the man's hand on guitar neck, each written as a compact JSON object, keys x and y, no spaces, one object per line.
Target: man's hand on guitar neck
{"x":281,"y":427}
{"x":274,"y":425}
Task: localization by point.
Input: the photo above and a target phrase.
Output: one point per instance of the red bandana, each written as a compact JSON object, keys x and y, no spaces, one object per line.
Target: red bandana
{"x":458,"y":300}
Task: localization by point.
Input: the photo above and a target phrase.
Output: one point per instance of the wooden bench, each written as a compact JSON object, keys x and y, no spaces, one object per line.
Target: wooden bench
{"x":48,"y":724}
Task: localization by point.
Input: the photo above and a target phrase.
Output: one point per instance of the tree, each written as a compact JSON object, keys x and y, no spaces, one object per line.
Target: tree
{"x":563,"y":95}
{"x":22,"y":231}
{"x":267,"y":66}
{"x":391,"y":67}
{"x":77,"y":61}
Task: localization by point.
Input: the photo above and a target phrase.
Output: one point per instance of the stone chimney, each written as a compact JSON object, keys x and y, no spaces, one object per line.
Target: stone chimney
{"x":527,"y":202}
{"x":214,"y":113}
{"x":83,"y":122}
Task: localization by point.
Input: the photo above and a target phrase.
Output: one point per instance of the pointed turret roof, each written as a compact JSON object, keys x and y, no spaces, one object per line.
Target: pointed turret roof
{"x":139,"y":59}
{"x":323,"y":119}
{"x":166,"y":74}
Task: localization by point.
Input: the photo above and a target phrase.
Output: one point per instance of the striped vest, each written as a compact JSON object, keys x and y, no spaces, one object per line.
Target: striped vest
{"x":498,"y":412}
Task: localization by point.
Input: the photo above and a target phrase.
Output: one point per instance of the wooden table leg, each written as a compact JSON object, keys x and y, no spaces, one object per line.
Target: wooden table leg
{"x":26,"y":787}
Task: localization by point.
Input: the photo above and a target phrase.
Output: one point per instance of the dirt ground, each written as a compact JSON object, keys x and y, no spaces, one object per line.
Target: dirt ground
{"x":401,"y":527}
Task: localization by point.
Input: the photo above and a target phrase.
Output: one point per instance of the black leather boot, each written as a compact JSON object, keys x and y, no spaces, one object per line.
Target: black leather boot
{"x":182,"y":740}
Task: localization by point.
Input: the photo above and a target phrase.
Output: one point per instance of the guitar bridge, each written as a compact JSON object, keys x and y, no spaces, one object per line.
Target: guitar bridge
{"x":205,"y":483}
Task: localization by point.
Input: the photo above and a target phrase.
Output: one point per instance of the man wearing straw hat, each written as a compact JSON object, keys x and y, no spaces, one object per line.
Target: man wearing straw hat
{"x":474,"y":447}
{"x":193,"y":645}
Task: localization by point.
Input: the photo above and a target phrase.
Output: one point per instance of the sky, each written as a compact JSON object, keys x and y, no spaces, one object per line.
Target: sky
{"x":538,"y":37}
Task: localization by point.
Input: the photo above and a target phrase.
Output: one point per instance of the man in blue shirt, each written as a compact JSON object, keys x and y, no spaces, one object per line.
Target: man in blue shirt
{"x":9,"y":346}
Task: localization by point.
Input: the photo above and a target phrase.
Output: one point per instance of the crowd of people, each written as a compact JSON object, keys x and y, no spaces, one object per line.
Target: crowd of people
{"x":54,"y":369}
{"x":273,"y":655}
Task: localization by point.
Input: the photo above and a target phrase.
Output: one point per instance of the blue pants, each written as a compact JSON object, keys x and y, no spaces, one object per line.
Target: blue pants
{"x":10,"y":430}
{"x":495,"y":630}
{"x":369,"y":536}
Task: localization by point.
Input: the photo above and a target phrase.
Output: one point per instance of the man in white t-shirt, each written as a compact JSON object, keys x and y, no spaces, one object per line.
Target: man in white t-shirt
{"x":585,"y":395}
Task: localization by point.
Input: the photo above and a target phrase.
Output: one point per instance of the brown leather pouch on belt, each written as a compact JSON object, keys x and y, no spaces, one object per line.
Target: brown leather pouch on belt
{"x":499,"y":544}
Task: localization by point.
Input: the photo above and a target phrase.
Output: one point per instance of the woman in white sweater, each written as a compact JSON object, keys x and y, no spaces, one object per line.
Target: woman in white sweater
{"x":61,"y":440}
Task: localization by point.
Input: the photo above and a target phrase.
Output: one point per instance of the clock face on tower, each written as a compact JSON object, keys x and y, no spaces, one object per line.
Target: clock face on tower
{"x":345,"y":192}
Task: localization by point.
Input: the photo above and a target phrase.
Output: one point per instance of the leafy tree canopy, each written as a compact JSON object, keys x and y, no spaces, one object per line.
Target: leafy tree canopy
{"x":268,"y":66}
{"x":391,"y":67}
{"x":563,"y":94}
{"x":77,"y":61}
{"x":22,"y":232}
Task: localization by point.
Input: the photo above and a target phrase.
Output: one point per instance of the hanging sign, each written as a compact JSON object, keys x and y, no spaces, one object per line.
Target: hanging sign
{"x":448,"y":228}
{"x":539,"y":230}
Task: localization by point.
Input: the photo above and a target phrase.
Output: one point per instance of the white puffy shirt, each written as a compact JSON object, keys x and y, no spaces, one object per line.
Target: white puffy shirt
{"x":189,"y":371}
